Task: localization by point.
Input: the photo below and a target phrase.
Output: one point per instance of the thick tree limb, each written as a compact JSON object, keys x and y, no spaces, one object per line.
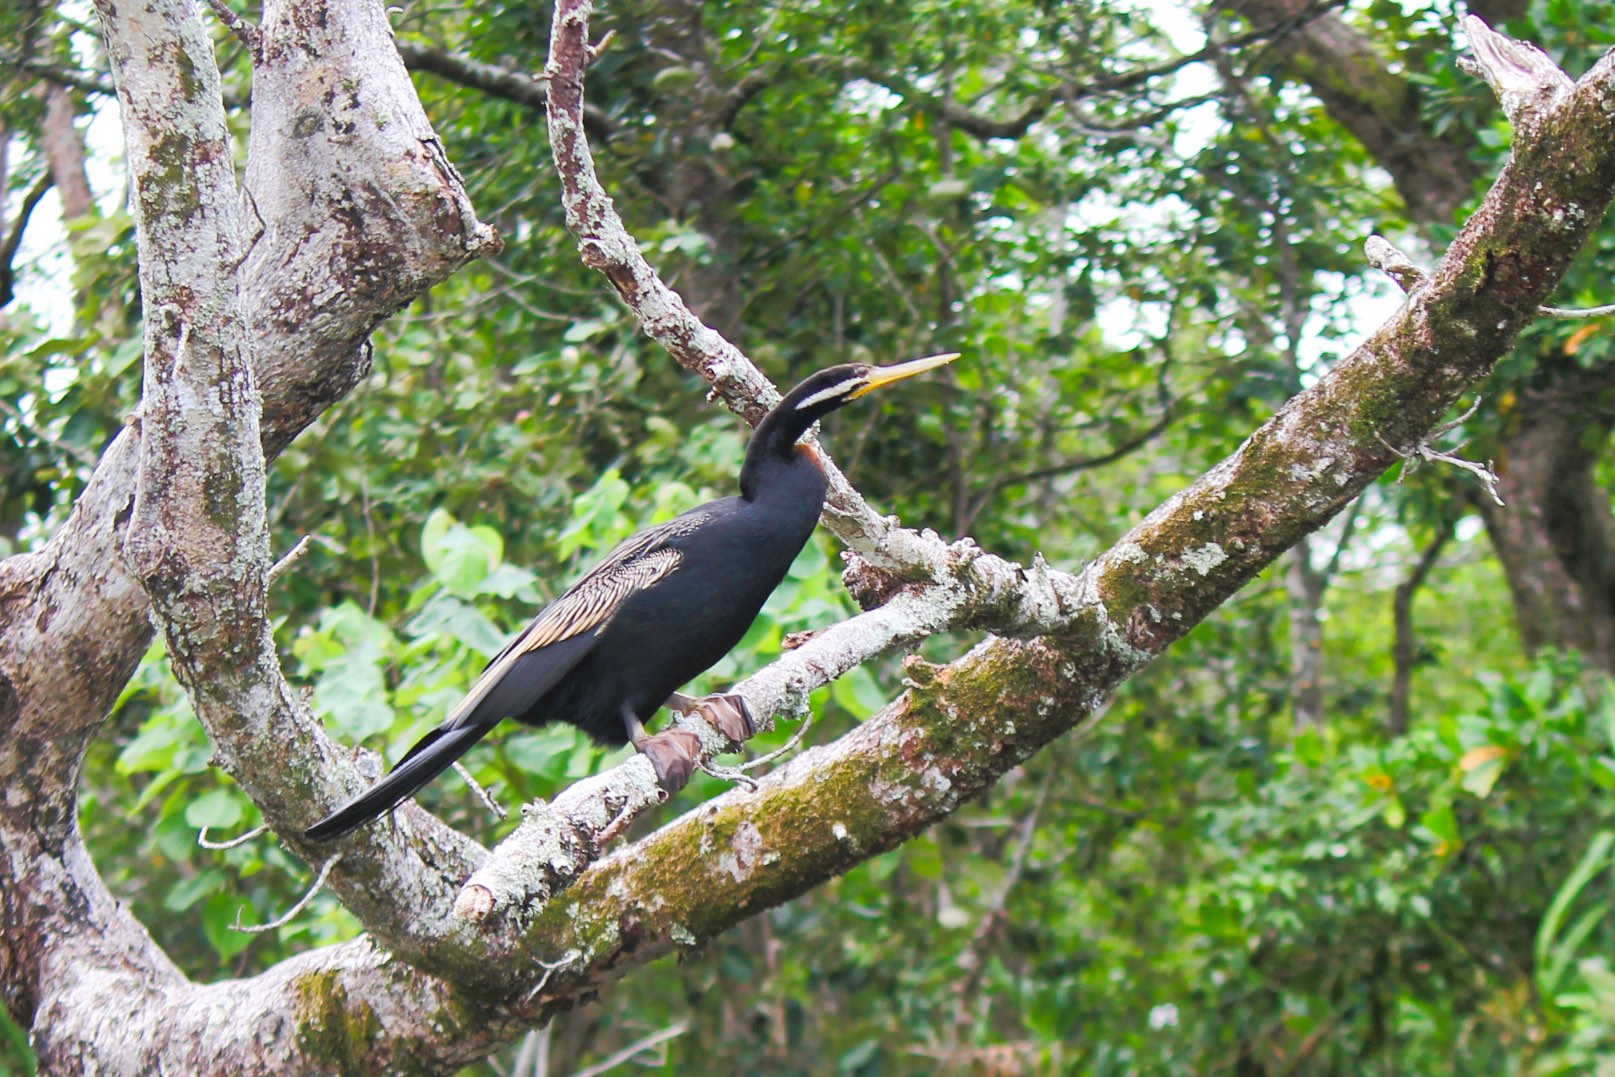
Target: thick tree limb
{"x":1190,"y":555}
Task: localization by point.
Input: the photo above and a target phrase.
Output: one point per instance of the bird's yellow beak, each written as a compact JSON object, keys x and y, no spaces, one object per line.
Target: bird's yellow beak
{"x":885,"y":375}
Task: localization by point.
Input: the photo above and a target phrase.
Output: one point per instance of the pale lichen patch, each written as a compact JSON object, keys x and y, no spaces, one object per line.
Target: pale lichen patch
{"x":1205,"y":558}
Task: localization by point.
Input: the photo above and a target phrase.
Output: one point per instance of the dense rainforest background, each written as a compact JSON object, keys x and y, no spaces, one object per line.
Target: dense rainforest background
{"x":1359,"y":821}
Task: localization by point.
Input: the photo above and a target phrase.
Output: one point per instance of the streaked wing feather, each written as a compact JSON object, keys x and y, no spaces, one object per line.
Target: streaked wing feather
{"x":591,"y":603}
{"x":559,"y":637}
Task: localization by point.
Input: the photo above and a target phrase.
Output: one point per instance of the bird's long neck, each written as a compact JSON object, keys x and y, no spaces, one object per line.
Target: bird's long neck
{"x":772,"y":453}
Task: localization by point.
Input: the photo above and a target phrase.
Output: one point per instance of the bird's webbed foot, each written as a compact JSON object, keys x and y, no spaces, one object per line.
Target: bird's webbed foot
{"x":728,"y":712}
{"x":674,"y":753}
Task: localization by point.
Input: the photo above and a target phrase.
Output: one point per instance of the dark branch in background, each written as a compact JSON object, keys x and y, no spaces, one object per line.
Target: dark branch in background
{"x":1132,"y":443}
{"x":64,"y":153}
{"x":72,"y":77}
{"x":740,"y":95}
{"x":503,"y":83}
{"x":981,"y":126}
{"x":1404,"y":652}
{"x":13,"y":240}
{"x":1379,"y":107}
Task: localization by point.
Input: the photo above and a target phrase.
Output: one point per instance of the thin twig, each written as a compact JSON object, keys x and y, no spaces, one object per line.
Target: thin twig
{"x":319,"y":884}
{"x":788,"y":746}
{"x":1572,"y":312}
{"x":201,"y":839}
{"x":727,"y":774}
{"x":655,"y":1039}
{"x":615,"y":827}
{"x":494,"y":807}
{"x":248,"y":34}
{"x":552,"y":967}
{"x":293,"y":555}
{"x":1423,"y":453}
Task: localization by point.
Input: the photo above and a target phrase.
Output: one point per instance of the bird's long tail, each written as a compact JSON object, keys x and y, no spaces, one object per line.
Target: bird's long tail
{"x":435,"y":753}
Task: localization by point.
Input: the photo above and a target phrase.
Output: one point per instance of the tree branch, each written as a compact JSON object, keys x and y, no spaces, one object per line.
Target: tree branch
{"x":500,"y":82}
{"x":935,"y":747}
{"x":954,"y":732}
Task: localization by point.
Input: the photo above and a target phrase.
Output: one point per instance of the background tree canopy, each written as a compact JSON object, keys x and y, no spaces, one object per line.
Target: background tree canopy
{"x":1359,"y":820}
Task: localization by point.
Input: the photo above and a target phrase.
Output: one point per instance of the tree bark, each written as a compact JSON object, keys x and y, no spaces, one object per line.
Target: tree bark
{"x":64,"y":152}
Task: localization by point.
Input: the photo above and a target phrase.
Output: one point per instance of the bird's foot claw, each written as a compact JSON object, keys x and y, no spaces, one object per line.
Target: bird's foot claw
{"x":674,"y":754}
{"x":730,"y":714}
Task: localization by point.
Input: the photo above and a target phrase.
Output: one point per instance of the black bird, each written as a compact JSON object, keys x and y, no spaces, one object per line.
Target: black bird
{"x":661,"y":609}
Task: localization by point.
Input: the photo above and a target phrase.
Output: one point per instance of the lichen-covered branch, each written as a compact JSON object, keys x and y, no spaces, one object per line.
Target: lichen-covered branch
{"x":963,"y":726}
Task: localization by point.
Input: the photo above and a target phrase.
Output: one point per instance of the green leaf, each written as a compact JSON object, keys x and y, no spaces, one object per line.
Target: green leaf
{"x":190,"y":891}
{"x":217,"y":809}
{"x":1396,"y":814}
{"x":1594,"y":859}
{"x":437,"y":526}
{"x":218,"y":915}
{"x":1441,"y":822}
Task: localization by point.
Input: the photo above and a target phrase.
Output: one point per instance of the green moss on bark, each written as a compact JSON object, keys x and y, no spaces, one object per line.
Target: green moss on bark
{"x":333,"y":1029}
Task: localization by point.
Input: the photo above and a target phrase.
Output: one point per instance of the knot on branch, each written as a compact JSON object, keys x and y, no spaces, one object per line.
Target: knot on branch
{"x":869,"y":585}
{"x":1384,"y":256}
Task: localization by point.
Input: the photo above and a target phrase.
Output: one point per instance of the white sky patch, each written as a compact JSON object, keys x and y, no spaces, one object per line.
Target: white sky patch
{"x":45,"y":271}
{"x":866,"y":98}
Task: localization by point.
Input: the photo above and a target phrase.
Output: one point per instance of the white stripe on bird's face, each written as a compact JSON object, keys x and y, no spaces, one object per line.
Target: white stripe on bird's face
{"x":834,"y":392}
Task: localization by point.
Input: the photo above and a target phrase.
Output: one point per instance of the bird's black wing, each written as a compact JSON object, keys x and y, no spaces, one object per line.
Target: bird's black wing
{"x":559,"y":637}
{"x":533,"y":663}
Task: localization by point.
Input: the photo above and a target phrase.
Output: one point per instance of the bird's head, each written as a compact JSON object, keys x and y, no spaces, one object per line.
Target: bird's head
{"x":829,"y":389}
{"x":776,"y":436}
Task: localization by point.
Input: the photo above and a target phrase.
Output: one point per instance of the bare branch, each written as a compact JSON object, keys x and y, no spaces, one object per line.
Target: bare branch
{"x":233,"y":843}
{"x":638,"y":1047}
{"x":293,"y":555}
{"x":1577,"y":312}
{"x":245,"y":32}
{"x":1528,"y":85}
